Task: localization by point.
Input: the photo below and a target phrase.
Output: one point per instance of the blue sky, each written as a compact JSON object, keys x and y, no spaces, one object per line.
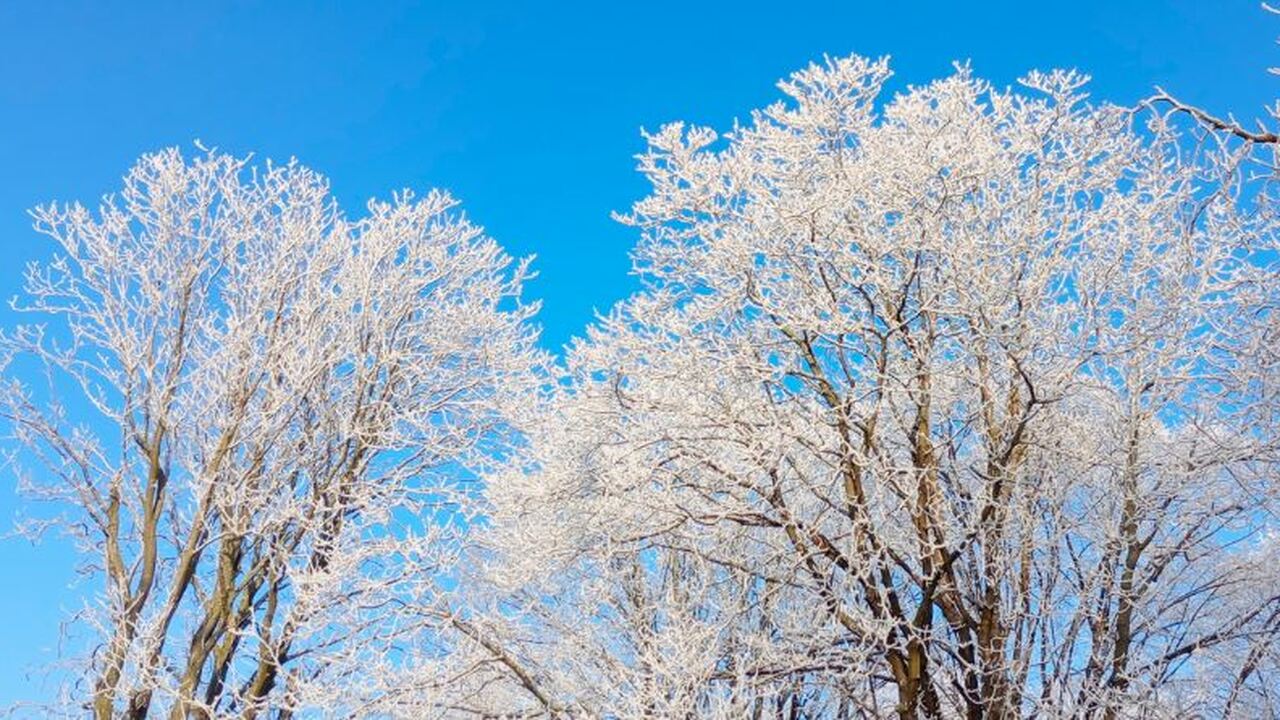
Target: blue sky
{"x":528,"y":113}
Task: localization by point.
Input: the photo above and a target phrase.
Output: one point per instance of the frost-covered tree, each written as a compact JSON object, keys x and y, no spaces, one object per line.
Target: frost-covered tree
{"x":261,"y":421}
{"x":959,"y":403}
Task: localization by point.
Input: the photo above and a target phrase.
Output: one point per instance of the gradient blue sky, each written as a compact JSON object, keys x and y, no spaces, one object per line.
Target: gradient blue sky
{"x":528,"y":113}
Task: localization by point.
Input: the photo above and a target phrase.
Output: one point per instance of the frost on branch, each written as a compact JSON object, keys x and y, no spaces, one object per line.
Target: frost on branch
{"x":960,"y":403}
{"x":957,"y":403}
{"x":262,"y":420}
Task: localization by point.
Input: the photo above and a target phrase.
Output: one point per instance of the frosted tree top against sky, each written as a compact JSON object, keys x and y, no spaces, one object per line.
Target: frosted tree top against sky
{"x":840,"y":360}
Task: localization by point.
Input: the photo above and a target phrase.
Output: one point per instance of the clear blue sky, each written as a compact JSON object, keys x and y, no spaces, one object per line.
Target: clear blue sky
{"x":529,"y":114}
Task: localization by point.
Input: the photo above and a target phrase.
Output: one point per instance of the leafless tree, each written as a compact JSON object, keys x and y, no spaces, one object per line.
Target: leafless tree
{"x":962,"y":405}
{"x":260,"y":423}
